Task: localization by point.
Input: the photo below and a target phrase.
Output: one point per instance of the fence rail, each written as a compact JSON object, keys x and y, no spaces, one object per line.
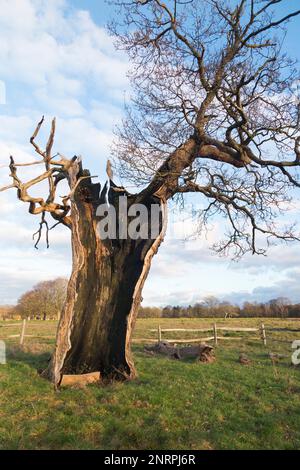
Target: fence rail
{"x":260,"y":333}
{"x":22,"y":335}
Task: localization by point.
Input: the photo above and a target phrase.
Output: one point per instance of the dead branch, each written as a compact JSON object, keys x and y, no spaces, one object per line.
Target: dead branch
{"x":55,"y":171}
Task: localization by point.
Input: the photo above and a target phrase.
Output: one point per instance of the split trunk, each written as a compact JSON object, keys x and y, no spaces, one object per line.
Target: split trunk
{"x":105,"y":288}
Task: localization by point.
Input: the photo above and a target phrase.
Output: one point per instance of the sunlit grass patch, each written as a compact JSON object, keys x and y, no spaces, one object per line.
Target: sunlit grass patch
{"x":171,"y":405}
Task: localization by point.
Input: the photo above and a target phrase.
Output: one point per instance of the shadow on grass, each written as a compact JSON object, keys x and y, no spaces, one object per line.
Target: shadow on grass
{"x":36,"y":359}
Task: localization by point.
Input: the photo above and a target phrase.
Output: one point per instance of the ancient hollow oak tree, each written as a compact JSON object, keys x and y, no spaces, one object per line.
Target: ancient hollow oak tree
{"x":214,"y":111}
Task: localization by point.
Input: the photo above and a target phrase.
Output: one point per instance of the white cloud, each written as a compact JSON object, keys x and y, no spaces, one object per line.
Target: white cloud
{"x":55,"y":61}
{"x":14,"y":133}
{"x":15,"y":233}
{"x":287,"y":286}
{"x":47,"y":42}
{"x":20,"y":269}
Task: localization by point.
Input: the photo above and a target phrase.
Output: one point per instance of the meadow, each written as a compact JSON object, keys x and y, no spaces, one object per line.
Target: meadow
{"x":171,"y":405}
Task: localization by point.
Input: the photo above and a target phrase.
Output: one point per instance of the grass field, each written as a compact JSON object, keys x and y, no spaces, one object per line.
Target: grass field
{"x":172,"y":405}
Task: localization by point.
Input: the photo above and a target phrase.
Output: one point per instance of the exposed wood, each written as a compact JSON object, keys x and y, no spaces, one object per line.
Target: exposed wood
{"x":202,"y":352}
{"x":159,"y":333}
{"x":191,"y":340}
{"x":184,"y":329}
{"x":22,"y":335}
{"x":231,"y":338}
{"x":290,"y":330}
{"x":213,"y":329}
{"x":143,"y":340}
{"x":137,"y":296}
{"x":224,"y":328}
{"x":263,"y":333}
{"x":215,"y":334}
{"x":80,"y":380}
{"x":195,"y":340}
{"x":244,"y":359}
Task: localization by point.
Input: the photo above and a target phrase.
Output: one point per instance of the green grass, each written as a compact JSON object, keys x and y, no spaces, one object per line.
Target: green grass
{"x":172,"y":405}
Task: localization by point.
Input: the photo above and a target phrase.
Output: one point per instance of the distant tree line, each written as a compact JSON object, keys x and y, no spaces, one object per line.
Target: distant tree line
{"x":45,"y":300}
{"x":280,"y":307}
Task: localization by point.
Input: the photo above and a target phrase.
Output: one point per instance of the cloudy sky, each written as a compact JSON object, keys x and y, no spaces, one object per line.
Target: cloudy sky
{"x":56,"y":59}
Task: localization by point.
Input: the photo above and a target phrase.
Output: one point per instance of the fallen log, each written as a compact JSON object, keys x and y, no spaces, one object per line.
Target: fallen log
{"x":201,"y":352}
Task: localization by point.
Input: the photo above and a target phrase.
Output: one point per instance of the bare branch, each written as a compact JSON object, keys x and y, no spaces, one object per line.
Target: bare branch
{"x":5,"y":188}
{"x":34,"y":135}
{"x":55,"y":171}
{"x":40,"y":231}
{"x":215,"y":106}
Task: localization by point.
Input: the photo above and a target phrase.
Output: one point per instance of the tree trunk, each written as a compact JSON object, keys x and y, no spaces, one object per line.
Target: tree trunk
{"x":104,"y":291}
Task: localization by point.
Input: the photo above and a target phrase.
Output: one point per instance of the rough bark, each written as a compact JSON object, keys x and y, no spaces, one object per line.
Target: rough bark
{"x":104,"y":291}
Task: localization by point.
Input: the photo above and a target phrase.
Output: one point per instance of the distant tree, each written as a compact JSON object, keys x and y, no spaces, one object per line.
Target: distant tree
{"x":150,"y":312}
{"x":6,"y":311}
{"x":44,"y":301}
{"x":198,"y":310}
{"x":211,"y":305}
{"x":167,"y":311}
{"x":248,"y":309}
{"x":279,"y":306}
{"x":294,"y":311}
{"x":228,"y":310}
{"x":189,"y":311}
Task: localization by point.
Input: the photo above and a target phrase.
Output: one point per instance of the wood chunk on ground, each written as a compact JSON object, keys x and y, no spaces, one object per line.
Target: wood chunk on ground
{"x":201,"y":352}
{"x":244,"y":360}
{"x":80,"y":380}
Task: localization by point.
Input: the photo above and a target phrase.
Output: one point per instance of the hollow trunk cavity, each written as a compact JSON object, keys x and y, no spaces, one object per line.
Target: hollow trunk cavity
{"x":105,"y":288}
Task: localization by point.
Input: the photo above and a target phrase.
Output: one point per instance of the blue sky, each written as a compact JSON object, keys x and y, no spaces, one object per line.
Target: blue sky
{"x":57,"y":59}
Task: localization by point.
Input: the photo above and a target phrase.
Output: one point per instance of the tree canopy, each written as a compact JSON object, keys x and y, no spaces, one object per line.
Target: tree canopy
{"x":44,"y":301}
{"x":214,"y":110}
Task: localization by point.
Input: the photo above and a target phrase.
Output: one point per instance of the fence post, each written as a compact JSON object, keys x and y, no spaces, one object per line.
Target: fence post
{"x":159,"y":333}
{"x":215,"y":334}
{"x":263,"y":334}
{"x":22,"y":336}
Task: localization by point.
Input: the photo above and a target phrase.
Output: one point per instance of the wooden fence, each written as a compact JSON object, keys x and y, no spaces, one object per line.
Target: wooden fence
{"x":215,"y":330}
{"x":214,"y":333}
{"x":22,"y":335}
